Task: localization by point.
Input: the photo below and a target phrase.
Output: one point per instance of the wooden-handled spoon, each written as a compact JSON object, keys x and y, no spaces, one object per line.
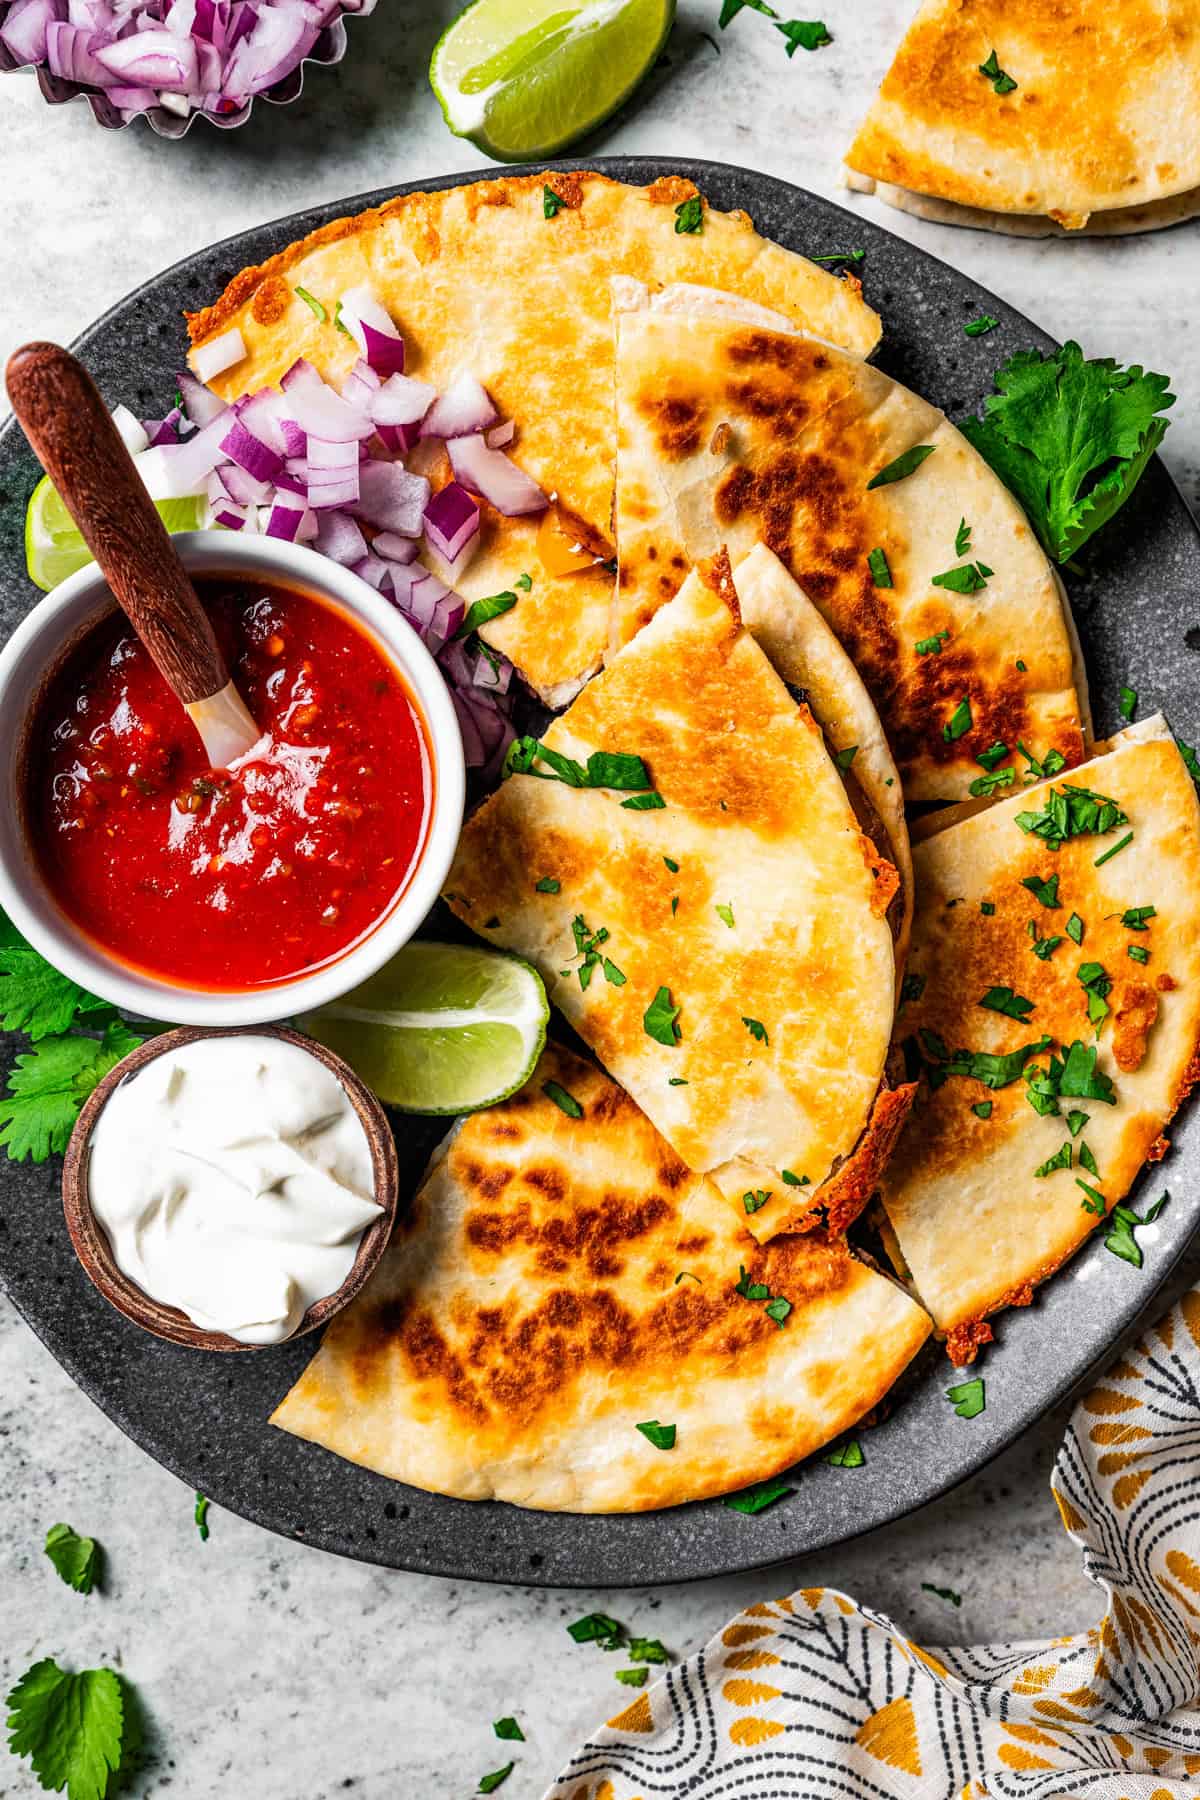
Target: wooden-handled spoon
{"x":76,"y":442}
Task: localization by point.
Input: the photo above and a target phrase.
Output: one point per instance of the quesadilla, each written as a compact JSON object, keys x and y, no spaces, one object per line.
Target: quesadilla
{"x":492,"y":278}
{"x":894,"y":527}
{"x":720,"y":939}
{"x":1054,"y":984}
{"x":1039,"y":118}
{"x":568,"y":1319}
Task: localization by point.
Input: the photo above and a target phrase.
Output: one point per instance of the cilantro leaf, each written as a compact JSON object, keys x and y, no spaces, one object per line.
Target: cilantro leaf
{"x":551,"y":203}
{"x":757,"y":1499}
{"x":1113,"y":850}
{"x":968,"y":1398}
{"x":980,"y":326}
{"x":648,"y":1650}
{"x":632,"y":1677}
{"x":848,"y":1455}
{"x":881,"y":572}
{"x":597,"y":1628}
{"x":34,"y":997}
{"x":962,"y":538}
{"x":1123,"y":1222}
{"x":1003,"y":1000}
{"x":984,"y":786}
{"x":660,"y":1019}
{"x":1044,"y":889}
{"x":200,"y":1516}
{"x":725,"y":914}
{"x":947,"y":1594}
{"x":1134,"y":917}
{"x":689,"y":215}
{"x":901,"y":466}
{"x":1060,"y":1160}
{"x":996,"y":753}
{"x":960,"y":721}
{"x":1075,"y":928}
{"x":509,"y":1729}
{"x":968,"y":578}
{"x":757,"y":1030}
{"x":661,"y":1436}
{"x":313,"y":304}
{"x":992,"y":1071}
{"x":548,"y":885}
{"x":754,"y":1199}
{"x":604,"y":769}
{"x":835,"y":256}
{"x":845,"y":758}
{"x":565,"y":1102}
{"x":1129,"y":700}
{"x":480,"y":611}
{"x":48,"y":1084}
{"x":76,"y":1558}
{"x":983,"y":1109}
{"x":804,"y":34}
{"x":1137,"y":953}
{"x":1070,"y":438}
{"x":1001,"y":81}
{"x":489,"y":1783}
{"x":930,"y":646}
{"x":1071,"y":812}
{"x":73,"y":1728}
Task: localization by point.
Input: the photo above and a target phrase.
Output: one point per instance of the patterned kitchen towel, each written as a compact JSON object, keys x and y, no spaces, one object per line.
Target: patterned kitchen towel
{"x":818,"y":1696}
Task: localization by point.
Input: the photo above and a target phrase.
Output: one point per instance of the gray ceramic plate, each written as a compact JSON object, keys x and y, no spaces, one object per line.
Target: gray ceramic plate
{"x":1137,"y":597}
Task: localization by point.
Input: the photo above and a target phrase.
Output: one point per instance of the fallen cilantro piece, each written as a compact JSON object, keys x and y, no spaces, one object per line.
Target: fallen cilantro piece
{"x":1071,"y":812}
{"x":980,"y":326}
{"x":1120,"y":1239}
{"x":947,"y":1594}
{"x":984,"y":786}
{"x":73,"y":1728}
{"x":689,"y":215}
{"x":881,"y":572}
{"x":725,"y":914}
{"x":1114,"y":850}
{"x":1134,"y":917}
{"x":1003,"y":1000}
{"x":778,"y":1309}
{"x":845,"y":758}
{"x":1096,"y":983}
{"x":76,"y":1558}
{"x":671,"y":864}
{"x":1060,"y":1160}
{"x":1076,"y":1121}
{"x":750,"y":1290}
{"x":1137,"y":953}
{"x":996,"y":753}
{"x":1088,"y":1161}
{"x":509,"y":1730}
{"x":968,"y":1398}
{"x":200,"y":1515}
{"x":854,"y":256}
{"x":480,"y":611}
{"x":34,"y":997}
{"x":755,"y":1199}
{"x":489,"y":1783}
{"x":524,"y":582}
{"x":632,"y":1677}
{"x":731,"y":8}
{"x":565,"y":1102}
{"x":551,"y":203}
{"x":661,"y":1436}
{"x":1044,"y":889}
{"x":960,"y":721}
{"x":1075,"y":928}
{"x":1095,"y":1201}
{"x":901,"y":466}
{"x":313,"y":304}
{"x":651,"y":802}
{"x":962,"y":538}
{"x":1002,"y":82}
{"x":794,"y":1180}
{"x":931,"y":646}
{"x":757,"y":1030}
{"x":983,"y":1109}
{"x":968,"y":578}
{"x":648,"y":1650}
{"x":848,"y":1455}
{"x":660,"y":1019}
{"x":597,"y":1628}
{"x":1070,"y":438}
{"x":48,"y":1084}
{"x":757,"y":1499}
{"x":1129,"y":700}
{"x":804,"y":34}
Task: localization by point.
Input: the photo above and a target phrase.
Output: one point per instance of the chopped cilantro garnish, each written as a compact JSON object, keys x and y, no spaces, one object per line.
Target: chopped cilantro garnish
{"x":778,"y":1310}
{"x":671,"y":864}
{"x":984,"y":786}
{"x":1053,"y":763}
{"x":1075,"y":928}
{"x":1044,"y":888}
{"x":962,"y":538}
{"x":757,"y":1030}
{"x":840,"y":256}
{"x":339,"y":323}
{"x":968,"y":1398}
{"x":313,"y":304}
{"x":881,"y":573}
{"x":1003,"y":1000}
{"x":632,"y":1677}
{"x":847,"y":1455}
{"x":946,"y":1594}
{"x":979,"y":327}
{"x":480,"y":611}
{"x":677,"y":1081}
{"x":1076,"y":1121}
{"x":803,"y":34}
{"x":794,"y":1180}
{"x":687,"y":1275}
{"x":1191,"y":761}
{"x":597,"y":1628}
{"x":648,"y":1650}
{"x":548,"y":885}
{"x":1095,"y":1201}
{"x":725,"y":914}
{"x":660,"y":1019}
{"x":968,"y":578}
{"x":1060,"y":1160}
{"x":960,"y":721}
{"x":551,"y":203}
{"x":757,"y":1499}
{"x":1001,"y":82}
{"x":983,"y":1109}
{"x":978,"y":1065}
{"x":508,"y":1729}
{"x":1087,"y":1161}
{"x":1123,"y":1223}
{"x":1138,"y":953}
{"x":845,"y":757}
{"x":1073,"y":1077}
{"x":1044,"y":947}
{"x":750,"y":1290}
{"x":689,"y":215}
{"x":1070,"y":438}
{"x":1071,"y":812}
{"x":1134,"y":917}
{"x":604,"y":768}
{"x":1128,"y":703}
{"x":77,"y":1559}
{"x":651,"y":802}
{"x":902,"y":466}
{"x":588,"y":947}
{"x":987,"y":908}
{"x":661,"y":1436}
{"x":996,"y":753}
{"x":755,"y":1199}
{"x":1097,"y":984}
{"x":200,"y":1516}
{"x":1115,"y":850}
{"x":489,"y":1783}
{"x":932,"y":646}
{"x":524,"y":582}
{"x":565,"y":1102}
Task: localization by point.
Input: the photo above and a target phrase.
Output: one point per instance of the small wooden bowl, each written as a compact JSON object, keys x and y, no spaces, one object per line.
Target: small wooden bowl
{"x":91,"y":1241}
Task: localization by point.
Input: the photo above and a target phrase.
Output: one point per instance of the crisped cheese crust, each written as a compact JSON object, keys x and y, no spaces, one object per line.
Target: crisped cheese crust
{"x":527,"y":1316}
{"x":975,"y":1224}
{"x":757,"y":820}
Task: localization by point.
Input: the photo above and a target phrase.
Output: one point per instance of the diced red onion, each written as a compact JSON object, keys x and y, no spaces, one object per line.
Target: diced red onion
{"x":339,"y":538}
{"x":395,"y":549}
{"x":372,"y":569}
{"x":500,"y":435}
{"x":318,"y":410}
{"x":461,"y":411}
{"x":264,"y":414}
{"x":391,"y":498}
{"x":473,"y":746}
{"x":285,"y":519}
{"x":250,"y":453}
{"x":156,"y":59}
{"x":452,"y":523}
{"x":171,"y":471}
{"x":494,"y":475}
{"x":68,"y":56}
{"x":401,"y":401}
{"x":333,"y":472}
{"x":492,"y":672}
{"x":23,"y":32}
{"x":160,"y":431}
{"x":200,"y":404}
{"x":244,"y":488}
{"x":219,"y":354}
{"x":132,"y":433}
{"x":132,"y":99}
{"x":371,"y":326}
{"x":360,"y":384}
{"x":231,"y":517}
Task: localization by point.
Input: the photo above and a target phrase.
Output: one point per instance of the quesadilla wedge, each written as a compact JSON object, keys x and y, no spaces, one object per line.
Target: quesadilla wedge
{"x":1038,"y":118}
{"x":894,"y":527}
{"x":562,"y":1283}
{"x":1055,"y":1007}
{"x":492,"y":278}
{"x":721,"y":941}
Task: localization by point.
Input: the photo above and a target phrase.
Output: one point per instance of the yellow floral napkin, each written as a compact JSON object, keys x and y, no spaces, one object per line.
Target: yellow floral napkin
{"x":817,"y":1696}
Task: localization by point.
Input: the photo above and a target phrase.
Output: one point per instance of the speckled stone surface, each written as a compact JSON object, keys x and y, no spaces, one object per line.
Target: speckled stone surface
{"x":267,"y":1667}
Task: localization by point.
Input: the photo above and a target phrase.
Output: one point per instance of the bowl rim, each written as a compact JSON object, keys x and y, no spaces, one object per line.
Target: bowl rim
{"x":90,"y":1240}
{"x":42,"y":636}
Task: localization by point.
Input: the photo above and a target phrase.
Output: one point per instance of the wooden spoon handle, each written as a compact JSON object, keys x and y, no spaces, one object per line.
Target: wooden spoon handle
{"x":80,"y":449}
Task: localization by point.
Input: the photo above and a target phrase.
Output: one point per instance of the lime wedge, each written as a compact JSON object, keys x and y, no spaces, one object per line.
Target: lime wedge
{"x":443,"y":1028}
{"x":53,"y":547}
{"x":525,"y":78}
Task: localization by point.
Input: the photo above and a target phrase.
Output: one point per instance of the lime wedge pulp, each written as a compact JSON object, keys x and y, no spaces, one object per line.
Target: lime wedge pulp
{"x":442,"y":1028}
{"x":524,"y":78}
{"x":53,"y":547}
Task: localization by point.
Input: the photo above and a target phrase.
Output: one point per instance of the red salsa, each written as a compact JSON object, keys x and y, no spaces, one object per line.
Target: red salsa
{"x":222,"y":880}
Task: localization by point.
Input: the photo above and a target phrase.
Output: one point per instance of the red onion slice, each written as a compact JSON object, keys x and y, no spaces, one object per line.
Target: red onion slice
{"x":395,"y":549}
{"x":219,"y":354}
{"x":339,"y":538}
{"x":464,"y":408}
{"x":24,"y":29}
{"x":391,"y":498}
{"x":318,"y":410}
{"x":200,"y":404}
{"x":371,"y":326}
{"x":250,"y":453}
{"x":452,"y":522}
{"x":401,"y":401}
{"x":494,"y":475}
{"x":334,"y":473}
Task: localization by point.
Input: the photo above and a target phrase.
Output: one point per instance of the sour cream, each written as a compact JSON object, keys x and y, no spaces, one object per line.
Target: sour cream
{"x":234,"y":1180}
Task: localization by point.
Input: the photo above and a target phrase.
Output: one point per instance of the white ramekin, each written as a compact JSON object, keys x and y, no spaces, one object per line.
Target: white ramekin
{"x":36,"y":649}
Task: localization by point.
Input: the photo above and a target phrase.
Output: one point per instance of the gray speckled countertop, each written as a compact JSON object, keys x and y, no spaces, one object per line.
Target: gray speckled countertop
{"x":267,"y":1668}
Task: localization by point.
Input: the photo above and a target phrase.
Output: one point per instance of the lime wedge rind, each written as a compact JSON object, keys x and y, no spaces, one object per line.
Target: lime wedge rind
{"x":523,"y":79}
{"x":53,"y":547}
{"x":443,"y":1029}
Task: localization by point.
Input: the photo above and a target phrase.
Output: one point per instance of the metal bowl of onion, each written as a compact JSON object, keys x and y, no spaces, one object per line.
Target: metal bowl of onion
{"x":172,"y":61}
